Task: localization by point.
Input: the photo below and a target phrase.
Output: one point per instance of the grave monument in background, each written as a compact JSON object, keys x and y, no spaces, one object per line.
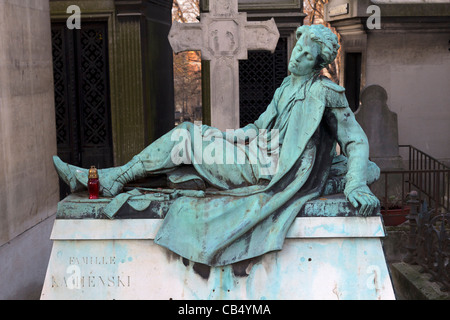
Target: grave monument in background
{"x":262,"y":72}
{"x":381,"y":127}
{"x":224,"y":36}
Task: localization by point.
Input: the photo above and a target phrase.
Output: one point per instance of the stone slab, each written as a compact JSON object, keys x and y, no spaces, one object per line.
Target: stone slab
{"x":249,"y":5}
{"x":78,"y":206}
{"x":146,"y":229}
{"x":414,"y":285}
{"x":322,"y":258}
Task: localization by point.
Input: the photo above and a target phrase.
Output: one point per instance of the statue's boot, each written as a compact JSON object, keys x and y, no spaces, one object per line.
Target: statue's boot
{"x":67,"y":173}
{"x":111,"y":180}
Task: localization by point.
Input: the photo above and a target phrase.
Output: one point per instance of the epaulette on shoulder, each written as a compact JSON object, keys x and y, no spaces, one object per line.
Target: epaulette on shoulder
{"x":331,"y":85}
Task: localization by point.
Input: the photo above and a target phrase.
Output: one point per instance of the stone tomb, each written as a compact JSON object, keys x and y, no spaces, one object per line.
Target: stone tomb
{"x":337,"y":257}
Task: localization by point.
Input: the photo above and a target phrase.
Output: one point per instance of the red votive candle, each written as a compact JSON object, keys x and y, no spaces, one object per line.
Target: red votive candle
{"x":93,"y":183}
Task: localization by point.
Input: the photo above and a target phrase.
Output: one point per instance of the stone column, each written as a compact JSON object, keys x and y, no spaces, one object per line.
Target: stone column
{"x":28,"y":182}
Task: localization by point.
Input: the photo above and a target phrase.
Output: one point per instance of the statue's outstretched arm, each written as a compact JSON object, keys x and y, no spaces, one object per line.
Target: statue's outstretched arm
{"x":355,"y":146}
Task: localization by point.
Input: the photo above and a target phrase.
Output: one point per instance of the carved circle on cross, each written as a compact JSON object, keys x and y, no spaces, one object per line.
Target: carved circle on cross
{"x":224,"y":38}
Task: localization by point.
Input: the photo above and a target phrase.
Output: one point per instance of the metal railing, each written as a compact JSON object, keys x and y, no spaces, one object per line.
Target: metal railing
{"x":426,"y":175}
{"x":426,"y":182}
{"x":430,"y":177}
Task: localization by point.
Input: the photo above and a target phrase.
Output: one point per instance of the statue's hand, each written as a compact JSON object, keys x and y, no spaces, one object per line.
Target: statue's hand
{"x":363,"y":198}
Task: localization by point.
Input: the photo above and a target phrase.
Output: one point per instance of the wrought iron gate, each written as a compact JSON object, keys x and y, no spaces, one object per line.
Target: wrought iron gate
{"x":82,"y":99}
{"x":259,"y":77}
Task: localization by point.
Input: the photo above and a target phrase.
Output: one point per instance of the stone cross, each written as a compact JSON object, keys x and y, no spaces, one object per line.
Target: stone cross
{"x":224,"y":36}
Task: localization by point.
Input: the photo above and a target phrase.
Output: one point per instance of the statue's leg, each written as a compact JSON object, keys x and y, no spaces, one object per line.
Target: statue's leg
{"x":154,"y":159}
{"x":111,"y":180}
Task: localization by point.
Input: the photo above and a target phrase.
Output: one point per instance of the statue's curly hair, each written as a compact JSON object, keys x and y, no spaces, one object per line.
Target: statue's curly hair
{"x":326,"y":39}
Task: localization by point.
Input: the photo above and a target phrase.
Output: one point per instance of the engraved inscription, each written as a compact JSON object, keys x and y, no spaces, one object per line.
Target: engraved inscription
{"x":91,"y":281}
{"x":92,"y":272}
{"x":92,"y":260}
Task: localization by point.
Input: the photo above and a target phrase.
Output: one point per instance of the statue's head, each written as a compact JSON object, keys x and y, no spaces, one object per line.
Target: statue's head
{"x":316,"y":47}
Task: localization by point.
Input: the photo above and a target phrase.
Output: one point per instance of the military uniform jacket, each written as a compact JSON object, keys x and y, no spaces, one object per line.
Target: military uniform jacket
{"x":248,"y":222}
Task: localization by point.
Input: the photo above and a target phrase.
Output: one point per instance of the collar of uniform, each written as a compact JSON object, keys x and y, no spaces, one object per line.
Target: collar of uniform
{"x":306,"y":86}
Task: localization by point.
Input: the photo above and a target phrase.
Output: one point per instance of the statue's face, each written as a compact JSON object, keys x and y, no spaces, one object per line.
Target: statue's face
{"x":304,"y":56}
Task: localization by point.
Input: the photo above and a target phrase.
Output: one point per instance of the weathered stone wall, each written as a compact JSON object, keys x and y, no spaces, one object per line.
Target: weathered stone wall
{"x":407,"y":54}
{"x":28,"y":181}
{"x":414,"y":69}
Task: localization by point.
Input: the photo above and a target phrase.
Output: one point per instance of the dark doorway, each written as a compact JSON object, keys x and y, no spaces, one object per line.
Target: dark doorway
{"x":353,"y":78}
{"x":82,"y":98}
{"x":259,"y":76}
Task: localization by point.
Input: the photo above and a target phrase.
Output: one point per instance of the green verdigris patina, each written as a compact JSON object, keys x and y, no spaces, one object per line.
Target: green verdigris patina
{"x":253,"y":183}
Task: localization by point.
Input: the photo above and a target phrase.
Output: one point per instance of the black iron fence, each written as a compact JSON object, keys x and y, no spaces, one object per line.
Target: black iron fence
{"x":429,"y":241}
{"x":425,"y":175}
{"x":426,"y":208}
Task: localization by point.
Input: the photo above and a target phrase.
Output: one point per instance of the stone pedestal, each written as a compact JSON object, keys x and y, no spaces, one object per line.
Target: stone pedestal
{"x":334,"y":257}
